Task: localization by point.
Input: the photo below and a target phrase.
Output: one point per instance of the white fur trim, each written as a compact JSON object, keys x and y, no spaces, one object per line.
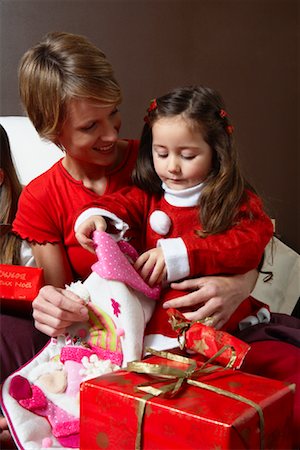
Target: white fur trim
{"x":176,"y":258}
{"x":248,"y":322}
{"x":118,"y":223}
{"x":160,"y":222}
{"x":264,"y":315}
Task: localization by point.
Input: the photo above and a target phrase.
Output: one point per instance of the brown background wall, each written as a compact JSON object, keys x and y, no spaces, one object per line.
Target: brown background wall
{"x":247,"y":49}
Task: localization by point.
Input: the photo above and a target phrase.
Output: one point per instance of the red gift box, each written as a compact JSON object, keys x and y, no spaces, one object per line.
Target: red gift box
{"x":19,"y":285}
{"x":198,"y":417}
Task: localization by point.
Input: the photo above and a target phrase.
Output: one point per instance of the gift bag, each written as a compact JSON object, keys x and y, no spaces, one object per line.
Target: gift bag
{"x":41,"y":399}
{"x":19,"y":285}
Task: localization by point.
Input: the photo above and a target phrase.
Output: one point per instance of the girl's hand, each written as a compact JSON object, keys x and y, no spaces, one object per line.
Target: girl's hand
{"x":213,"y":296}
{"x":85,"y":231}
{"x":151,"y":266}
{"x":55,"y":309}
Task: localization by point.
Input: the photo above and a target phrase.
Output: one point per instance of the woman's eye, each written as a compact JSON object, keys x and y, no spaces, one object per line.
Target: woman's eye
{"x":162,"y":155}
{"x":115,"y":111}
{"x":89,"y":127}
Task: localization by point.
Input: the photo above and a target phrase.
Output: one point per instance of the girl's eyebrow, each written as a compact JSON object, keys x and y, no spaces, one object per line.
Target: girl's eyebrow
{"x":159,"y":145}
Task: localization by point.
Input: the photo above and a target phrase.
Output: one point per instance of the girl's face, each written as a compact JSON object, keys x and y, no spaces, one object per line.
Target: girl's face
{"x":90,"y":132}
{"x":181,"y":157}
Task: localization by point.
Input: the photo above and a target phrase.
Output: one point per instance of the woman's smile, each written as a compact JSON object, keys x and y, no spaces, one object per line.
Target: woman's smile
{"x":106,"y":148}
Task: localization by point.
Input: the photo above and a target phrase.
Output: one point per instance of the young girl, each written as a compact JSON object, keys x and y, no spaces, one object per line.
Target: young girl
{"x":197,"y":214}
{"x":12,"y":249}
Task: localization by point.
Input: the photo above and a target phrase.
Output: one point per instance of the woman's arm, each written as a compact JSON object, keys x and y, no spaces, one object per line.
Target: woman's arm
{"x":54,"y":309}
{"x":53,"y":260}
{"x":213,"y":296}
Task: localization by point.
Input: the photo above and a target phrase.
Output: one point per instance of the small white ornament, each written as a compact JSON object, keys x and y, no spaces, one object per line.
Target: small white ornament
{"x":79,"y":289}
{"x":160,"y":222}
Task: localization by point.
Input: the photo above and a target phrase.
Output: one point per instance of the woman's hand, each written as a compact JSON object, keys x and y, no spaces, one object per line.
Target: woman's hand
{"x":213,"y":296}
{"x":55,"y":309}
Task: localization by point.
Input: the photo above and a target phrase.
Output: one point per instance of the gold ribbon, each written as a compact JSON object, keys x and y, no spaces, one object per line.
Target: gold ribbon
{"x":183,"y":327}
{"x":180,"y":376}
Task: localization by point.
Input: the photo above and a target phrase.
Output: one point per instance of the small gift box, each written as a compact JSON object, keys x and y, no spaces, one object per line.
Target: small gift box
{"x":19,"y":285}
{"x":197,"y":337}
{"x":177,"y":403}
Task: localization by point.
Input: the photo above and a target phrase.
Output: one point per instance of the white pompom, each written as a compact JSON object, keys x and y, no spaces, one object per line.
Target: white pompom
{"x":79,"y":289}
{"x":160,"y":222}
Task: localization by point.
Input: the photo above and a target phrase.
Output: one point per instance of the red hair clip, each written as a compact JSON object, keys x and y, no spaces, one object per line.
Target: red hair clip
{"x":230,"y":129}
{"x":153,"y":105}
{"x":223,"y":113}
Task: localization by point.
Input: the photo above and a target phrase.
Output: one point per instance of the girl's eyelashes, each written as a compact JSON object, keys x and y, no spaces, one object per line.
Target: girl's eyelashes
{"x":165,"y":155}
{"x":187,"y":156}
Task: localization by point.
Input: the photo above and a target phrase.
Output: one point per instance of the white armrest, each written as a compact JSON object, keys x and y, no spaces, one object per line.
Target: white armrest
{"x":282,"y":292}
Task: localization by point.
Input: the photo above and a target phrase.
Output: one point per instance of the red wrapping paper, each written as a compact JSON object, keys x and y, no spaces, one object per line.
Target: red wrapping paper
{"x":205,"y":340}
{"x":195,"y":418}
{"x":19,"y":285}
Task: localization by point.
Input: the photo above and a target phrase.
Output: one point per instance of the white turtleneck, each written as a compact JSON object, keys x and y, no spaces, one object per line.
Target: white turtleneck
{"x":184,"y":197}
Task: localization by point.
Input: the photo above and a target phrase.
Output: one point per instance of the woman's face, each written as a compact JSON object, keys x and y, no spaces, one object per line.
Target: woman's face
{"x":90,"y":132}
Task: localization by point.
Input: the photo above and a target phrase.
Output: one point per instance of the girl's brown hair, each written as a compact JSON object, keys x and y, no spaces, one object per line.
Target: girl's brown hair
{"x":61,"y":67}
{"x":10,"y":190}
{"x":224,"y":189}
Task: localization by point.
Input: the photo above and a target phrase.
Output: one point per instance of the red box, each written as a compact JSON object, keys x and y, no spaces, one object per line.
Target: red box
{"x":195,"y":418}
{"x":19,"y":285}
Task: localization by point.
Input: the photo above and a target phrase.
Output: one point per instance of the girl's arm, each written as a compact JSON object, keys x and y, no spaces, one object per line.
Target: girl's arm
{"x":213,"y":296}
{"x":84,"y":230}
{"x":235,"y":251}
{"x":54,"y":309}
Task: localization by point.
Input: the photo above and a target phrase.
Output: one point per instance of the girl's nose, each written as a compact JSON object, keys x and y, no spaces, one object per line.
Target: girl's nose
{"x":173,"y":166}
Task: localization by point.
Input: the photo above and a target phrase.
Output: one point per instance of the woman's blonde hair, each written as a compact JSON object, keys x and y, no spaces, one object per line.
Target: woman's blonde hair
{"x":61,"y":67}
{"x":10,"y":190}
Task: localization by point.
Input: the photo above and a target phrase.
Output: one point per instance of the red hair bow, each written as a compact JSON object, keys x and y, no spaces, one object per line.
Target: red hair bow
{"x":229,"y":129}
{"x":153,"y":105}
{"x":223,"y":113}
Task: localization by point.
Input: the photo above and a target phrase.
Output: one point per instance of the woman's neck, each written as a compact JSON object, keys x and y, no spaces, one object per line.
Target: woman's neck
{"x":92,"y":176}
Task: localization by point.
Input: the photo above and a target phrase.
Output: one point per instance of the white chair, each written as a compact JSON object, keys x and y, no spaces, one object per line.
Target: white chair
{"x":32,"y":155}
